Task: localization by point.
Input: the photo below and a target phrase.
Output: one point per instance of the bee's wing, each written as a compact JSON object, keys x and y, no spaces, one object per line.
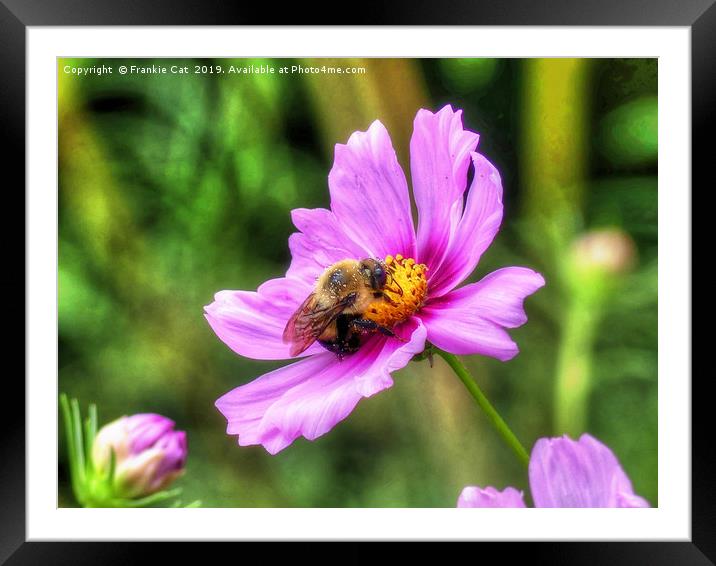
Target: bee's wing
{"x":298,"y":330}
{"x":308,"y":322}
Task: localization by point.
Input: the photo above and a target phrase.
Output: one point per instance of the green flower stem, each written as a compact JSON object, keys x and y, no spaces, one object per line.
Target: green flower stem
{"x":495,"y":419}
{"x":573,"y":383}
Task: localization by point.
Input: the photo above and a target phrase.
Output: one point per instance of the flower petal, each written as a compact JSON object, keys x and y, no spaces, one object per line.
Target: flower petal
{"x":392,"y":355}
{"x":310,"y":397}
{"x":472,"y":319}
{"x":252,"y":323}
{"x":490,"y":497}
{"x":145,"y":429}
{"x":173,"y":446}
{"x":369,"y":194}
{"x":583,"y":473}
{"x":475,"y":231}
{"x":439,"y":157}
{"x":320,"y":243}
{"x":630,"y":500}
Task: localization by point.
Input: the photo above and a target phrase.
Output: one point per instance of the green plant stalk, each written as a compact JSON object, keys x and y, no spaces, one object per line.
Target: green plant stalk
{"x":555,"y":143}
{"x":574,"y":367}
{"x":493,"y":416}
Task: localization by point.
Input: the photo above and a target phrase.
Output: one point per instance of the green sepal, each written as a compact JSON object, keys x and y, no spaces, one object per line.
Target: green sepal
{"x":72,"y":449}
{"x":426,"y":354}
{"x":112,"y":467}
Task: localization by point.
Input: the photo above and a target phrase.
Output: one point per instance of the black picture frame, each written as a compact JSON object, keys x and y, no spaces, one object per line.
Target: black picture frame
{"x":17,"y":15}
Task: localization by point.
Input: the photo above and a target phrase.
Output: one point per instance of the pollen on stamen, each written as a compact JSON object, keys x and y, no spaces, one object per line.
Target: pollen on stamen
{"x":404,"y":292}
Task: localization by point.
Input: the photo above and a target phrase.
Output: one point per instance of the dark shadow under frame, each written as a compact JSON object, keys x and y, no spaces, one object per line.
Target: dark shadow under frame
{"x":16,"y":15}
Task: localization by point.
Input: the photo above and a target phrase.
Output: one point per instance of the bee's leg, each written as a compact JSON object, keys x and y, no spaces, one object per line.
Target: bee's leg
{"x":372,"y":326}
{"x":395,"y":282}
{"x":334,"y":347}
{"x":346,"y":341}
{"x":388,"y":300}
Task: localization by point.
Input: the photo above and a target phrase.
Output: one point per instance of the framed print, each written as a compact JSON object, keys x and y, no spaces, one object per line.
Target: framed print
{"x":358,"y":283}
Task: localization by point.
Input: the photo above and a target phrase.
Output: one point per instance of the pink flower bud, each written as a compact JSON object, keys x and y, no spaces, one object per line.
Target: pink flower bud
{"x":149,"y":453}
{"x":608,"y":250}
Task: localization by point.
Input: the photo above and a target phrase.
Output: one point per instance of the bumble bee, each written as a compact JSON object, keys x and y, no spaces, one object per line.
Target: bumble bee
{"x":333,"y":313}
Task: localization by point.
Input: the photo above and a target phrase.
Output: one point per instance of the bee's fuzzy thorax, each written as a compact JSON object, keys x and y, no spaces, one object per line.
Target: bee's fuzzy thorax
{"x":404,"y":292}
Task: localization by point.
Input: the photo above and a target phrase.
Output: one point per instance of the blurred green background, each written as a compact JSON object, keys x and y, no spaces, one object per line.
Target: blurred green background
{"x":173,"y":187}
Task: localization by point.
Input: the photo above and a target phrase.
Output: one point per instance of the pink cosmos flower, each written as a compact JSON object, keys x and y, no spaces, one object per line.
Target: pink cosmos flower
{"x":565,"y":473}
{"x":370,"y":217}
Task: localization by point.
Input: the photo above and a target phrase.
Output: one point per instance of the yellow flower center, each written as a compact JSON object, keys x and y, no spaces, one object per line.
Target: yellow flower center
{"x":404,"y":292}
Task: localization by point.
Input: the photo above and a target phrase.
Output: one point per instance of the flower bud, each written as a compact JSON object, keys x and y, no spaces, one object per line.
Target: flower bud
{"x":148,"y":454}
{"x":609,"y":250}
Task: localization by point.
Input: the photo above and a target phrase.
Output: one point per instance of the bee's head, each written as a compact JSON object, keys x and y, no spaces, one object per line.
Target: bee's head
{"x":375,"y":272}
